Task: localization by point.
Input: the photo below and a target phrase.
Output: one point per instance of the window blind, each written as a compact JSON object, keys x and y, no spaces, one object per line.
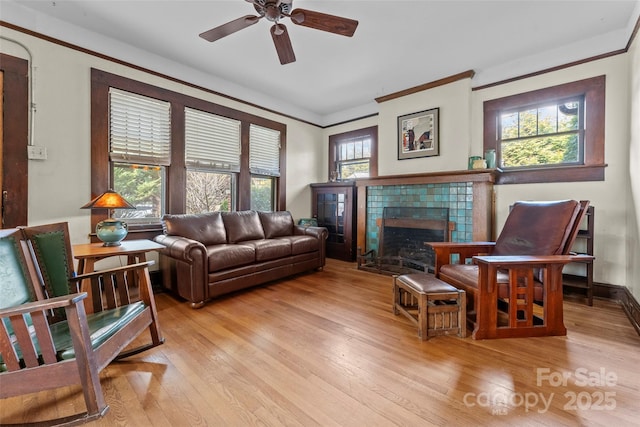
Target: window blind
{"x":264,"y":151}
{"x":211,"y":142}
{"x":139,"y":129}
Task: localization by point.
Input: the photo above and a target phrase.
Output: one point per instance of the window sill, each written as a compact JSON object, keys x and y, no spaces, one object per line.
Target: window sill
{"x":554,"y":174}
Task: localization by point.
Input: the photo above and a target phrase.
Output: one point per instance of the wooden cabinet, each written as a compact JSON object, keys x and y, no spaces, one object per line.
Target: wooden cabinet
{"x":333,"y":204}
{"x":582,"y":273}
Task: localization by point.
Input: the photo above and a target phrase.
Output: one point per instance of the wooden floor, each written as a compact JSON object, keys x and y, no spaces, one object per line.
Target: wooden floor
{"x":324,"y":349}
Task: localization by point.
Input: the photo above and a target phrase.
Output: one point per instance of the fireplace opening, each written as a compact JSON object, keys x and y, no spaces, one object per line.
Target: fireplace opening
{"x":402,"y":232}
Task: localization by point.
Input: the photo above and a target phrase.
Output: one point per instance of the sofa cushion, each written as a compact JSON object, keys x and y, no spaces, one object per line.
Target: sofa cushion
{"x":268,"y":249}
{"x":302,"y":244}
{"x":206,"y":228}
{"x":225,"y":256}
{"x":242,"y":226}
{"x":276,"y":224}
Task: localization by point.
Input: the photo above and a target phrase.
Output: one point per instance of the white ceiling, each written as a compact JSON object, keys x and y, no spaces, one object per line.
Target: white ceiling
{"x":398,"y":44}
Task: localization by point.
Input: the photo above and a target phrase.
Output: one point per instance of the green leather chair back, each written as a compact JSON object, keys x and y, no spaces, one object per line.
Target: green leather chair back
{"x":52,"y":249}
{"x":15,"y":288}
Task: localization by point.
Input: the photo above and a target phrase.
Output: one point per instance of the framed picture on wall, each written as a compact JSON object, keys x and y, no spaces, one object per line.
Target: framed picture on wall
{"x":418,"y":135}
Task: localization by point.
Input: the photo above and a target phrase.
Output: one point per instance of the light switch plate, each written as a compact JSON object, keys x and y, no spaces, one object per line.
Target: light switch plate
{"x":36,"y":152}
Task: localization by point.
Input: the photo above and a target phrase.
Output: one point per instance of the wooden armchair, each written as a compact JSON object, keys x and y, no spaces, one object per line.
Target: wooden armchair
{"x":40,"y":351}
{"x":112,"y":289}
{"x":514,"y":285}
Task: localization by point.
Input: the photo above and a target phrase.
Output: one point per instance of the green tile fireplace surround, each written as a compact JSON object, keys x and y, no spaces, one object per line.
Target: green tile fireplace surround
{"x":467,"y":194}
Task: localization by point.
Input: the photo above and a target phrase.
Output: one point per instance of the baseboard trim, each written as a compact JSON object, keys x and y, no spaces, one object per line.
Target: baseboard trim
{"x":624,"y":297}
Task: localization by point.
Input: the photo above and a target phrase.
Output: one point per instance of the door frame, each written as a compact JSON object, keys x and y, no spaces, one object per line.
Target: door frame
{"x":15,"y":137}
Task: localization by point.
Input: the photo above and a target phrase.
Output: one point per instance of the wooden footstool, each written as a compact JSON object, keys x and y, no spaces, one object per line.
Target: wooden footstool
{"x":435,"y":306}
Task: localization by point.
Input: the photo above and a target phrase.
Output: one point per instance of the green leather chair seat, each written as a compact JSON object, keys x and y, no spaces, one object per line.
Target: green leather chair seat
{"x":102,"y":326}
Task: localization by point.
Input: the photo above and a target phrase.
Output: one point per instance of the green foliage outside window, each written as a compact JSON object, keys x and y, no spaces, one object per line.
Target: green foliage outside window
{"x":543,"y":135}
{"x":262,"y":193}
{"x":140,"y":185}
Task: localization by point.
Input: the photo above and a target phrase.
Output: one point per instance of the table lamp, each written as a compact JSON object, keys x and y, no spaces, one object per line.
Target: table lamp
{"x":111,"y":231}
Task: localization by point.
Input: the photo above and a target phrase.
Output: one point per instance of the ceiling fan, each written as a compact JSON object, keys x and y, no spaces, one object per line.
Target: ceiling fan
{"x":274,"y":11}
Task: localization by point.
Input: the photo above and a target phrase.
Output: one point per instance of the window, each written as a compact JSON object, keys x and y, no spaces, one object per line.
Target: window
{"x":212,"y":158}
{"x":264,"y":164}
{"x":554,"y":134}
{"x":139,"y":150}
{"x":543,"y":135}
{"x":354,"y":154}
{"x":196,"y":159}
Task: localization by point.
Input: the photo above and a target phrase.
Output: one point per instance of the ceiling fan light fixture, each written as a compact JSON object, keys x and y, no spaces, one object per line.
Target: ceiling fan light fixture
{"x":278,"y":30}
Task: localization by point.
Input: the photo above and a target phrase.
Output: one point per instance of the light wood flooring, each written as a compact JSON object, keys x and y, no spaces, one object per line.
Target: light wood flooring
{"x":324,"y":349}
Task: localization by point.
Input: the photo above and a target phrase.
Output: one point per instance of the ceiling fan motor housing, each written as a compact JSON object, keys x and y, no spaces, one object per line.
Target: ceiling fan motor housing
{"x":272,"y":10}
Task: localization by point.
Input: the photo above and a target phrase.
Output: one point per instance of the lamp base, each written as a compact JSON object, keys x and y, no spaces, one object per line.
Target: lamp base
{"x":111,"y":231}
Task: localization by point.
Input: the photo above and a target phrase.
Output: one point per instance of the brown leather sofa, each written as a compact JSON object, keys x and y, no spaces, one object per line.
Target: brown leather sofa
{"x":211,"y":254}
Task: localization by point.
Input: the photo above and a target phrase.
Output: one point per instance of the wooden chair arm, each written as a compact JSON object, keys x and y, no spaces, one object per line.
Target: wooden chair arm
{"x":512,"y":261}
{"x":46,"y":304}
{"x":457,"y":252}
{"x":459,"y":245}
{"x":111,"y":288}
{"x":25,"y":330}
{"x":126,"y":268}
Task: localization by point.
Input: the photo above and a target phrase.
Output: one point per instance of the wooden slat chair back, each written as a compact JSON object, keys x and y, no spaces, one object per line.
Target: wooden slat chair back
{"x":514,"y":285}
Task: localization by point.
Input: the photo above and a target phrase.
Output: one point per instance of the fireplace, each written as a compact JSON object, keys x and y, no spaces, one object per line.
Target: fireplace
{"x":402,"y":233}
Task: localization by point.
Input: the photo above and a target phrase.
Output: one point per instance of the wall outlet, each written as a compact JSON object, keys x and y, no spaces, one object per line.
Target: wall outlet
{"x":35,"y":152}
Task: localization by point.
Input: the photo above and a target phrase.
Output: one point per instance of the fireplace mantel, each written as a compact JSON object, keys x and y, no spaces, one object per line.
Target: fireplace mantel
{"x":482,"y":181}
{"x":477,"y":175}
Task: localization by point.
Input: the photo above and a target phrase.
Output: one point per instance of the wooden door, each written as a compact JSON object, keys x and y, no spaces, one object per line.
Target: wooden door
{"x":14,"y":135}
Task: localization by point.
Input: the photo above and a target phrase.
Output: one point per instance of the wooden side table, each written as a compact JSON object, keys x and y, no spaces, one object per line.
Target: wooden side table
{"x":88,"y":254}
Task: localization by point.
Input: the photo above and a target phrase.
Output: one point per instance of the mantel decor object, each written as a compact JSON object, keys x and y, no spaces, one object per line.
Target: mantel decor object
{"x":418,"y":135}
{"x":111,"y":231}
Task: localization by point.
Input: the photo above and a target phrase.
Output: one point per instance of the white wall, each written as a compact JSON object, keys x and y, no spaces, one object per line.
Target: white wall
{"x":59,"y":185}
{"x":453,"y":100}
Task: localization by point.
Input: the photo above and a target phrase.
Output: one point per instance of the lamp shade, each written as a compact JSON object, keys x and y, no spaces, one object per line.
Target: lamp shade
{"x":108,"y":200}
{"x":111,"y":231}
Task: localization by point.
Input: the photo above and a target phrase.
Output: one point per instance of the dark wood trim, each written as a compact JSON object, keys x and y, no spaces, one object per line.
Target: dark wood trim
{"x":478,"y":175}
{"x":624,"y":297}
{"x":351,"y":120}
{"x":552,"y":69}
{"x":441,"y":82}
{"x":594,"y":91}
{"x":15,"y":140}
{"x":634,"y":34}
{"x":334,"y":140}
{"x":146,"y":70}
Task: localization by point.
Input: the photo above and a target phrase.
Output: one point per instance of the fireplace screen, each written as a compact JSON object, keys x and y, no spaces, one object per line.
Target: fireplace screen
{"x":402,"y":233}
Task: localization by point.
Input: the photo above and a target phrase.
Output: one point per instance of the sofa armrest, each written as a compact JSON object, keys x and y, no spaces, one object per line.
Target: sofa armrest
{"x":181,"y":248}
{"x":317,"y":232}
{"x":185,"y":267}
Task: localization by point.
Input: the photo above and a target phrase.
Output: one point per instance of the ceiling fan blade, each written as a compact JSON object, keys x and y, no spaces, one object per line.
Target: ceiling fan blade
{"x":324,"y":22}
{"x":229,"y":28}
{"x":282,"y":42}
